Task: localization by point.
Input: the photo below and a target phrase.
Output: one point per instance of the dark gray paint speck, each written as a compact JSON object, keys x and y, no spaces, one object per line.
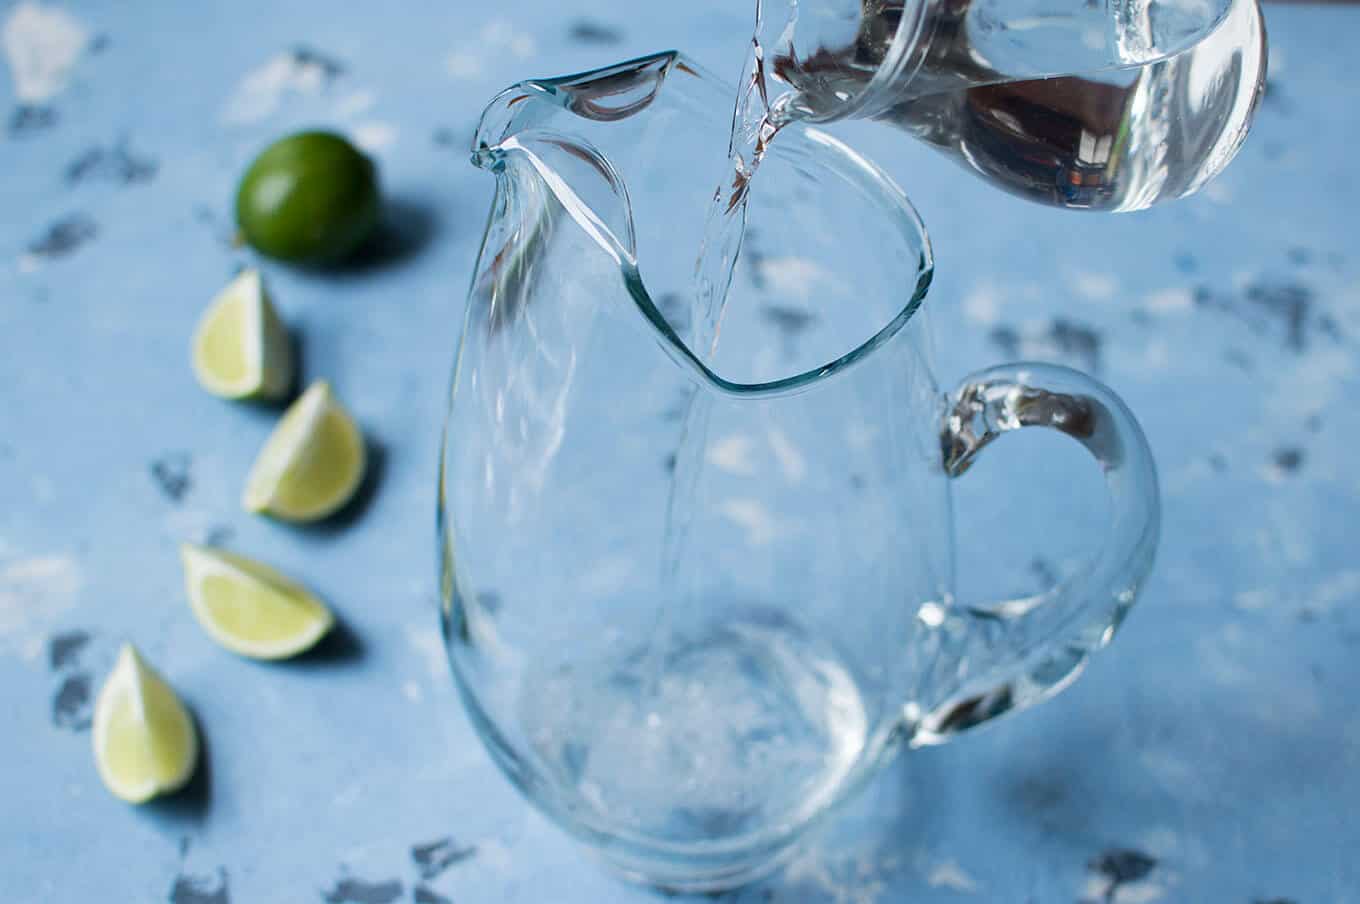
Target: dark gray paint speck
{"x":360,"y":891}
{"x":200,"y":889}
{"x":1288,"y":458}
{"x":426,"y":895}
{"x":673,"y":307}
{"x":64,"y":236}
{"x":71,"y":704}
{"x":63,"y":650}
{"x":1007,"y":339}
{"x":714,"y":822}
{"x":1043,"y":572}
{"x":1076,"y":340}
{"x":331,"y":68}
{"x":117,"y":164}
{"x":789,"y":321}
{"x":219,"y":534}
{"x":586,"y":31}
{"x":1239,"y":359}
{"x":1286,"y":309}
{"x":1288,"y":303}
{"x":30,"y":119}
{"x":173,"y":474}
{"x":1065,"y":338}
{"x":1122,"y":865}
{"x":433,"y":857}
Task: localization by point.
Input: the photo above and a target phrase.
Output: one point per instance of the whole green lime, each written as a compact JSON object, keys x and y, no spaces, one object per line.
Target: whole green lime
{"x":309,"y":198}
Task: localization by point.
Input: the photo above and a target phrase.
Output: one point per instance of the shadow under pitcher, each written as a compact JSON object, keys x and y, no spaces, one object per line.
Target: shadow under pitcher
{"x":696,"y":565}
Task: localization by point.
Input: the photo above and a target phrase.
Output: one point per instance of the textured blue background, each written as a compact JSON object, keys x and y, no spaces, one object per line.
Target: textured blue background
{"x":1213,"y":753}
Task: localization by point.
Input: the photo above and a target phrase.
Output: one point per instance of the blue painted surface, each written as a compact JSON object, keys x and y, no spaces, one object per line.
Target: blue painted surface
{"x":1219,"y":738}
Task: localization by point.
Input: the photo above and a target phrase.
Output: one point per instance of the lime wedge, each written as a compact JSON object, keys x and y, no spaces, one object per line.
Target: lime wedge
{"x":241,"y":348}
{"x":144,"y":740}
{"x":250,"y":608}
{"x":311,"y":464}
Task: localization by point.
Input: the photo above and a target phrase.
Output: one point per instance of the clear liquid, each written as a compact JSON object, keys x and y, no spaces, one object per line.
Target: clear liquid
{"x":746,"y":727}
{"x":1116,"y":141}
{"x":1122,"y":138}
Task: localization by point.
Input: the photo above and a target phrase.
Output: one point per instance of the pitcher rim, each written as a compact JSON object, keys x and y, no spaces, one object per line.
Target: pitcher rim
{"x":886,"y":192}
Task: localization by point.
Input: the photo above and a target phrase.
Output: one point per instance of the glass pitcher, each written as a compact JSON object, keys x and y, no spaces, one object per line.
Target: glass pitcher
{"x":695,"y":592}
{"x":1108,"y":106}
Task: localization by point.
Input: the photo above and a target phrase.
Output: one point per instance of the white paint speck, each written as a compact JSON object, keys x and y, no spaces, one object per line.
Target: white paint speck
{"x":1139,"y":893}
{"x":860,"y":435}
{"x":1095,"y":286}
{"x":42,"y":44}
{"x":463,"y":64}
{"x":501,"y":34}
{"x":29,"y":263}
{"x":494,"y":854}
{"x":426,"y":644}
{"x":1094,"y":889}
{"x":982,"y":306}
{"x":762,"y":528}
{"x":792,"y":277}
{"x":32,"y":647}
{"x":949,"y":874}
{"x":412,"y":692}
{"x":259,"y":94}
{"x":374,"y":136}
{"x":1220,"y":656}
{"x":1324,"y":377}
{"x":1167,"y":301}
{"x":852,"y":879}
{"x":606,"y":576}
{"x":1337,"y":588}
{"x":1156,"y":355}
{"x":791,"y":461}
{"x":1254,"y":600}
{"x":1219,"y":192}
{"x":34,"y":592}
{"x":732,"y":454}
{"x":498,"y":39}
{"x":1170,"y":770}
{"x":356,"y":103}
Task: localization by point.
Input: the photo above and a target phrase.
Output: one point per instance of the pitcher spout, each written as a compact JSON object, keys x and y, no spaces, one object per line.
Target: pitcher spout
{"x":600,"y":95}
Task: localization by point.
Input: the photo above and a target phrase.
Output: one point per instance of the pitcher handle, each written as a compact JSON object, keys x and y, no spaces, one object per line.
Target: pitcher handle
{"x":1010,"y":655}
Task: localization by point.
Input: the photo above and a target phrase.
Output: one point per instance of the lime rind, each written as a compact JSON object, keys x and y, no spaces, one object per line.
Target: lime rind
{"x":144,"y":739}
